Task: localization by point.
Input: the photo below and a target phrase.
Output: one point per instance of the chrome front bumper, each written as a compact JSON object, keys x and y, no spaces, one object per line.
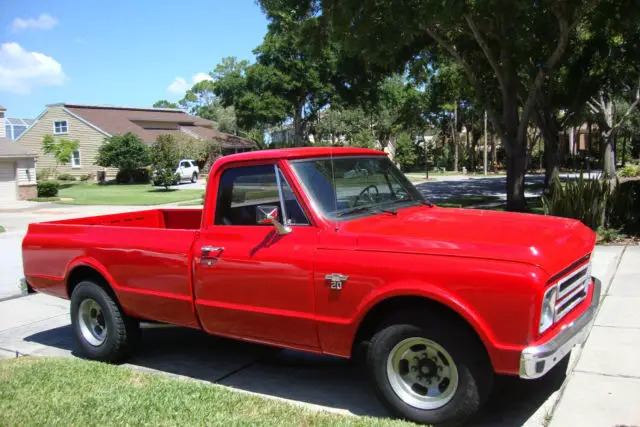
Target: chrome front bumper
{"x":537,"y":361}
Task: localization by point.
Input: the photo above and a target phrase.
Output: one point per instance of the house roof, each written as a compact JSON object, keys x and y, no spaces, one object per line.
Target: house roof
{"x":11,"y":149}
{"x":116,"y":120}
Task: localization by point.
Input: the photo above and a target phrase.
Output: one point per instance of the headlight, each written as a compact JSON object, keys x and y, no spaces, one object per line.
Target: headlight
{"x":548,"y":308}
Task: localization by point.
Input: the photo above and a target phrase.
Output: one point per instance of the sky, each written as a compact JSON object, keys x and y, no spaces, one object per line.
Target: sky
{"x":118,"y":52}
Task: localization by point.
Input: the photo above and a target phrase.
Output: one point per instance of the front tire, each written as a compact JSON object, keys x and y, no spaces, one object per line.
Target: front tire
{"x":100,"y":327}
{"x":194,"y":178}
{"x":431,"y":371}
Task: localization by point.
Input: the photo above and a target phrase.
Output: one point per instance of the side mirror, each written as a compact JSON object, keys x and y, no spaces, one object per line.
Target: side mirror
{"x":268,"y":214}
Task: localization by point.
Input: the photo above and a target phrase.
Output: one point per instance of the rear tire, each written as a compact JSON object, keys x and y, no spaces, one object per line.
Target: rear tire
{"x":194,"y":178}
{"x":429,"y":369}
{"x":100,"y":327}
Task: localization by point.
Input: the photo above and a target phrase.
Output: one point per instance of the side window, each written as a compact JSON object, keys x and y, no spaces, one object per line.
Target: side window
{"x":295,"y":214}
{"x":242,"y":190}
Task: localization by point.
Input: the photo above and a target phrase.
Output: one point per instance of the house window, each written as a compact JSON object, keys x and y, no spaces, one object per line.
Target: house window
{"x":75,"y":159}
{"x":60,"y":127}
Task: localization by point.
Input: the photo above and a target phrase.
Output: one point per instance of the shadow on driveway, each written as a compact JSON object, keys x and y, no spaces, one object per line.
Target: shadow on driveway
{"x":318,"y":380}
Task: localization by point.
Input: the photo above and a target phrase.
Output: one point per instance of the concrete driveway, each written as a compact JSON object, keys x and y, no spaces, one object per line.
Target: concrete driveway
{"x":39,"y":325}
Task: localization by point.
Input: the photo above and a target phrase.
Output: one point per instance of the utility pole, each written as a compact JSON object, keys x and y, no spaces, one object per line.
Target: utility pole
{"x":485,"y":142}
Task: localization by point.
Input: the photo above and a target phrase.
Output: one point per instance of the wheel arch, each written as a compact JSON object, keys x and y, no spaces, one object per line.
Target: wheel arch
{"x":378,"y":312}
{"x":83,"y":269}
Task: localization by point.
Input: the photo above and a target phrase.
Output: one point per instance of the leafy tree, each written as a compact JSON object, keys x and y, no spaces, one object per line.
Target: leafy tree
{"x":406,"y":154}
{"x":61,"y":149}
{"x":165,"y":155}
{"x":126,"y":152}
{"x":506,"y":50}
{"x":163,"y":103}
{"x":363,"y":138}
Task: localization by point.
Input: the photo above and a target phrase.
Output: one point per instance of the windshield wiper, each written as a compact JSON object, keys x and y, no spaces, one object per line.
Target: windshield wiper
{"x":354,"y":210}
{"x":408,"y":199}
{"x":365,"y":209}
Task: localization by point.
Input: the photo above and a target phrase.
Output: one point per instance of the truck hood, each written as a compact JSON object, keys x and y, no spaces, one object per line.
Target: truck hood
{"x":551,"y":243}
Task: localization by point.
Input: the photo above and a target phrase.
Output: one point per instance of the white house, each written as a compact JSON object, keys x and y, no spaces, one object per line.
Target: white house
{"x":17,"y":168}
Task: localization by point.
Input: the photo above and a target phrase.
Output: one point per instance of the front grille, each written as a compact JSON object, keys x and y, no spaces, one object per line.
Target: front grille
{"x":572,"y":290}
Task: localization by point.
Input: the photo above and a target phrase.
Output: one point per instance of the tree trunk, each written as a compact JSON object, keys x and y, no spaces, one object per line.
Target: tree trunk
{"x":549,"y":128}
{"x":516,"y":168}
{"x":475,"y":137}
{"x":494,"y":153}
{"x":454,"y":131}
{"x":608,"y":156}
{"x":608,"y":137}
{"x":298,"y":137}
{"x":471,"y":155}
{"x":624,"y":150}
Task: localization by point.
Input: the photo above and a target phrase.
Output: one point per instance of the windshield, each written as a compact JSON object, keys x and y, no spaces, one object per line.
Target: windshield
{"x":346,"y":187}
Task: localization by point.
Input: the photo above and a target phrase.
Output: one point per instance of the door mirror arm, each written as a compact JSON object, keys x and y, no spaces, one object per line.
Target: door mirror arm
{"x":281,"y":229}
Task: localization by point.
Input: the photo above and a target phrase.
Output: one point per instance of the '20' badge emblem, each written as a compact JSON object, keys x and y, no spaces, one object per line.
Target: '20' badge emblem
{"x":336,"y":280}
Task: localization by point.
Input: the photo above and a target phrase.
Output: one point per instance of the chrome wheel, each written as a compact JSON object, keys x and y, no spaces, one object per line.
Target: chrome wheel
{"x":92,"y":323}
{"x":422,"y":373}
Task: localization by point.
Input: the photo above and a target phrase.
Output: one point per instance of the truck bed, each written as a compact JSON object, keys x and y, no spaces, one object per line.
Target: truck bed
{"x":145,"y":255}
{"x":181,"y":219}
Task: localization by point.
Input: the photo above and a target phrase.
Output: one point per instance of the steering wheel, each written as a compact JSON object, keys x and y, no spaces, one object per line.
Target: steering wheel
{"x":366,"y":192}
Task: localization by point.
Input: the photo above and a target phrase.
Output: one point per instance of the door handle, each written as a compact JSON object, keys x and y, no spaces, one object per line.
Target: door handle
{"x":211,"y":251}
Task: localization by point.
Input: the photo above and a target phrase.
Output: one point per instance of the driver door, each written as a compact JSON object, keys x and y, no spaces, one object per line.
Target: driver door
{"x":251,"y":282}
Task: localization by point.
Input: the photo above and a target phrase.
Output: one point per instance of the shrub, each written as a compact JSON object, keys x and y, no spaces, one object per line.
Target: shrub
{"x":582,"y":199}
{"x":164,"y":158}
{"x":48,"y":188}
{"x":630,"y":171}
{"x":44,"y":173}
{"x":125,"y":152}
{"x":165,"y":177}
{"x":124,"y":176}
{"x":86,"y":177}
{"x":624,"y":207}
{"x":66,"y":177}
{"x":608,"y":235}
{"x":141,"y":176}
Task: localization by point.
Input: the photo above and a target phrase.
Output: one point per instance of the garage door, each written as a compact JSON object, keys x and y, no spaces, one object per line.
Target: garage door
{"x":7,"y":181}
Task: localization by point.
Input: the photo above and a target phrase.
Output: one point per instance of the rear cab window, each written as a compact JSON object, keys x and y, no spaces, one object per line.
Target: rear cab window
{"x":243,"y":189}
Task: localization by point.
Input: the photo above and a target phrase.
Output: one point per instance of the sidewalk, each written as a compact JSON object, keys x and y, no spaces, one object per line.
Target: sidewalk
{"x":601,"y":391}
{"x":604,"y":388}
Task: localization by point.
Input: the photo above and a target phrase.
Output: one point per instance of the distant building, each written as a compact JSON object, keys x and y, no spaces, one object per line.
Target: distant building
{"x":91,"y":124}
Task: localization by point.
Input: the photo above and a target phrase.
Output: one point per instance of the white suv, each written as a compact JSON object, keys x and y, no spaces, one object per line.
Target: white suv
{"x":188,"y":169}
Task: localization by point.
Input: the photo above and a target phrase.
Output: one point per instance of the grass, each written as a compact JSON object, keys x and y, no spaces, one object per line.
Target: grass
{"x":113,"y":194}
{"x":464,"y":201}
{"x":73,"y":392}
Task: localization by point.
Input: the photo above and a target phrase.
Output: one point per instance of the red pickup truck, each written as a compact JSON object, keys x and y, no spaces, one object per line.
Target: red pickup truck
{"x":320,"y":250}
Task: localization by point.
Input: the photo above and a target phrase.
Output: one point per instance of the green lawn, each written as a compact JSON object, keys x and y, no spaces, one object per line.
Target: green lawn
{"x":132,"y":194}
{"x":73,"y":392}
